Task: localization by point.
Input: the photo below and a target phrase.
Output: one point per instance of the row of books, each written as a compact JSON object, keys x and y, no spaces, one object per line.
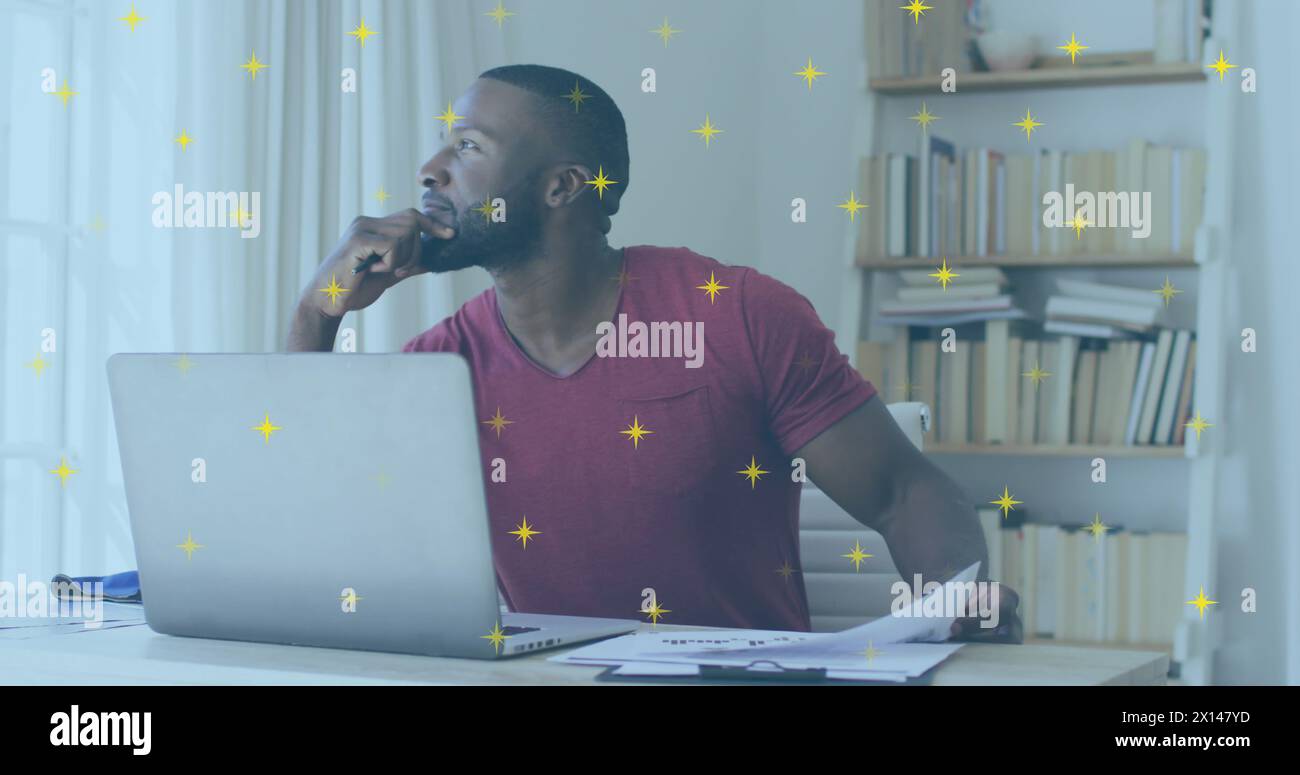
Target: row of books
{"x":1120,"y":392}
{"x":979,"y":201}
{"x":1119,"y":586}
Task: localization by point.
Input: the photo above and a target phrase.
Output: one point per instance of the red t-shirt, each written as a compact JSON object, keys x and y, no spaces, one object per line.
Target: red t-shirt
{"x":617,"y":510}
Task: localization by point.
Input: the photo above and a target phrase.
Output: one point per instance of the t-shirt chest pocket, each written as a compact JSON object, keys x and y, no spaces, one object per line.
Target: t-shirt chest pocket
{"x":671,"y":444}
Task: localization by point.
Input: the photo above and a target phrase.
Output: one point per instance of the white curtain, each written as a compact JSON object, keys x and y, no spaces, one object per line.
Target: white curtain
{"x":80,"y":256}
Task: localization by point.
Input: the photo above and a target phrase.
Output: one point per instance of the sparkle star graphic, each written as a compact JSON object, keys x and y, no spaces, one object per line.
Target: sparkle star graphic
{"x":1078,"y":223}
{"x":361,"y":32}
{"x":498,"y":422}
{"x":497,"y":636}
{"x":924,"y":118}
{"x":351,"y":598}
{"x":1198,"y":424}
{"x":184,"y":139}
{"x":99,"y":224}
{"x":1006,"y":502}
{"x":576,"y":97}
{"x":707,"y":130}
{"x":753,"y":472}
{"x":252,"y":66}
{"x":499,"y":14}
{"x":654,"y":611}
{"x":63,"y":472}
{"x":786,"y":570}
{"x":852,"y":205}
{"x":183,"y":364}
{"x":189,"y":546}
{"x":1036,"y":374}
{"x":1221,"y":66}
{"x":712,"y":288}
{"x":382,"y":479}
{"x":1072,"y":47}
{"x":1201,"y":602}
{"x":524,"y":532}
{"x":449,"y":117}
{"x":870,"y":652}
{"x":856,"y":556}
{"x":907,"y":388}
{"x":38,"y":365}
{"x":916,"y":8}
{"x":636,"y":431}
{"x":809,"y":73}
{"x":1028,"y":124}
{"x":943,"y":274}
{"x":665,"y":32}
{"x":238,"y":217}
{"x":266,"y":428}
{"x":806,"y":362}
{"x":623,"y":277}
{"x":333,"y":290}
{"x":485,"y":209}
{"x":601,"y":182}
{"x":1097,"y":528}
{"x":382,"y":195}
{"x":1167,"y":291}
{"x":65,"y":93}
{"x":131,"y":18}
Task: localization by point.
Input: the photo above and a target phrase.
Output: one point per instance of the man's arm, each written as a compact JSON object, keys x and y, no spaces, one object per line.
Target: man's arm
{"x":868,"y":466}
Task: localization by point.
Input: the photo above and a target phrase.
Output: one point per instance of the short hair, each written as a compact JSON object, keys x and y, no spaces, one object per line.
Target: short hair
{"x":591,"y":125}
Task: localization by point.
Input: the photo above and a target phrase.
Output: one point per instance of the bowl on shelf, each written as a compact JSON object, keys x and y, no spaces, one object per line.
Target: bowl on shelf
{"x":1007,"y":50}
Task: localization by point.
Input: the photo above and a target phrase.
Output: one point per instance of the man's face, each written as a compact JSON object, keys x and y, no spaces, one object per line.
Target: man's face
{"x":486,"y":154}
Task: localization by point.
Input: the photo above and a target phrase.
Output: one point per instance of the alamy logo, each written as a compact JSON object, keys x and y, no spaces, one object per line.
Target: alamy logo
{"x":102,"y":728}
{"x":211,"y":209}
{"x":655,"y":340}
{"x":1105,"y":209}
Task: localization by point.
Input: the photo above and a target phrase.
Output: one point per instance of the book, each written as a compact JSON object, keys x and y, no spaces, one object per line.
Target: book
{"x":1139,"y":392}
{"x":1154,"y":386}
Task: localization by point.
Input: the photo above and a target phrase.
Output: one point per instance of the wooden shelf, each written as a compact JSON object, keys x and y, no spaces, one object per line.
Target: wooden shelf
{"x":1044,"y":261}
{"x":1059,"y":450}
{"x":1045,"y":78}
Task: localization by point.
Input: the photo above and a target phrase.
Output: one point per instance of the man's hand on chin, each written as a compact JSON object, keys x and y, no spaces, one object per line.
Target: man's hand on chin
{"x":1009,"y":628}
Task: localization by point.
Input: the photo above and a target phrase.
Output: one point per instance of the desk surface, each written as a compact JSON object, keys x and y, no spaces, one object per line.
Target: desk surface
{"x":138,"y":655}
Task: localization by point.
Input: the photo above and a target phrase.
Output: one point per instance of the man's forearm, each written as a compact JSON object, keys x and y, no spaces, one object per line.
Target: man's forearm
{"x":931,"y":528}
{"x":311,"y":331}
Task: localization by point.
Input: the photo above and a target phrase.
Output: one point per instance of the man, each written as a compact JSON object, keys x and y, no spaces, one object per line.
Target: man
{"x":632,"y":465}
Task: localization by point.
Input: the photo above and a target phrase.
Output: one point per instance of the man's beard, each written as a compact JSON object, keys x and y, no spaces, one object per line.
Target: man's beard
{"x":481,"y":242}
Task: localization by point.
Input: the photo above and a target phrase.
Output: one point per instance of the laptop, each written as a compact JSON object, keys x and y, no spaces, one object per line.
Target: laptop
{"x":317,"y":499}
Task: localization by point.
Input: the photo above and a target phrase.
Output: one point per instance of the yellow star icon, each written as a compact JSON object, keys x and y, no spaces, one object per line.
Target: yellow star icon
{"x":1201,"y":602}
{"x":499,"y":14}
{"x":665,"y":32}
{"x":654,"y":611}
{"x":1078,"y":223}
{"x":449,"y":117}
{"x":1036,"y":374}
{"x":809,"y":73}
{"x":576,"y":97}
{"x":712,"y":288}
{"x":1198,"y":424}
{"x":361,"y":32}
{"x":1072,"y":47}
{"x":601,"y":182}
{"x":266,"y":428}
{"x":485,"y":209}
{"x":786,"y":570}
{"x":852,"y":205}
{"x":498,"y":422}
{"x":924,"y":118}
{"x":916,"y":8}
{"x":1006,"y":502}
{"x":63,"y":472}
{"x":1028,"y":124}
{"x":351,"y":598}
{"x":1097,"y":528}
{"x":333,"y":290}
{"x":1221,"y":66}
{"x":943,"y":274}
{"x":184,"y":139}
{"x":856,"y":556}
{"x":636,"y":431}
{"x":38,"y":365}
{"x":497,"y":636}
{"x":1167,"y":291}
{"x":707,"y":130}
{"x":131,"y":19}
{"x":524,"y":532}
{"x":382,"y":195}
{"x":252,"y":66}
{"x":907,"y":388}
{"x":65,"y":93}
{"x":870,"y":652}
{"x":753,"y":472}
{"x":189,"y":546}
{"x":183,"y":364}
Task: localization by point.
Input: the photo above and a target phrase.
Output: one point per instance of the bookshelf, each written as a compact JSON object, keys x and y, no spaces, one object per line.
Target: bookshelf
{"x":1198,"y":461}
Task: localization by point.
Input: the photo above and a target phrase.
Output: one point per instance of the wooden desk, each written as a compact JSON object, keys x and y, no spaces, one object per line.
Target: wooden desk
{"x":138,"y":655}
